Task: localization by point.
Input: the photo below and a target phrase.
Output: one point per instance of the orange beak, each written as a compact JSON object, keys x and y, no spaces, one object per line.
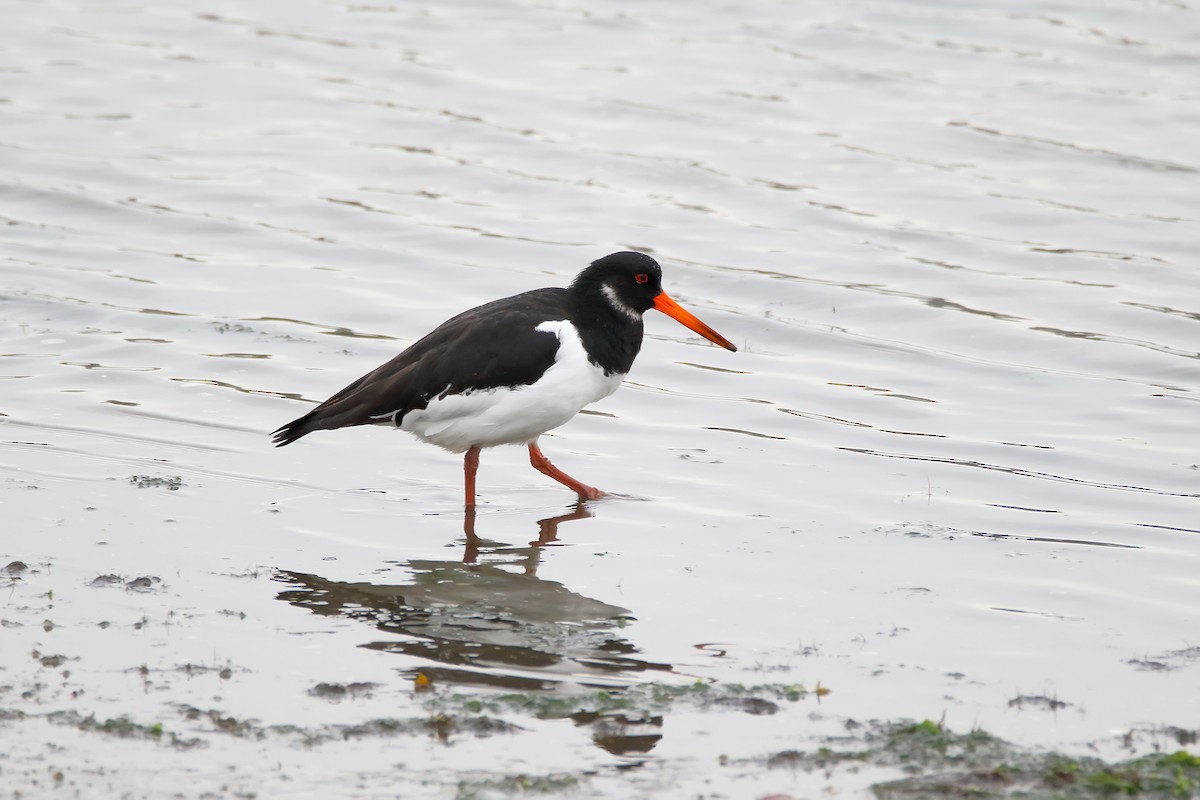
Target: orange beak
{"x":677,"y":312}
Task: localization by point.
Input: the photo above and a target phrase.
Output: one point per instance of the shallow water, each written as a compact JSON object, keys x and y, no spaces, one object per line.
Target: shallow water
{"x":953,"y":465}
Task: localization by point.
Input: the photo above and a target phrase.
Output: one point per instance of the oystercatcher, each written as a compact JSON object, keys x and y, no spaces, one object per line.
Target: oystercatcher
{"x":510,"y":370}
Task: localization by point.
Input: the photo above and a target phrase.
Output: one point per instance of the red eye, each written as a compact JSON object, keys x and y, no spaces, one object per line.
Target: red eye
{"x":641,"y":277}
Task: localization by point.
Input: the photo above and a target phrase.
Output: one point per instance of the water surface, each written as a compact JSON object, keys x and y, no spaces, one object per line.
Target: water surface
{"x":953,"y":465}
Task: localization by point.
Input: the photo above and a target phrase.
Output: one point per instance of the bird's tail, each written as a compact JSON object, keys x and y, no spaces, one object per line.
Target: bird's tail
{"x":293,"y":430}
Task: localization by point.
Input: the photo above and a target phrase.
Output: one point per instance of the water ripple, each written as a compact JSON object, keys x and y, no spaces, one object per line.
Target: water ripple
{"x":1019,"y":471}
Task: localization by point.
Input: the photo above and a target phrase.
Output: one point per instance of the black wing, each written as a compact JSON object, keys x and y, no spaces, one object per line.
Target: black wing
{"x":493,"y":345}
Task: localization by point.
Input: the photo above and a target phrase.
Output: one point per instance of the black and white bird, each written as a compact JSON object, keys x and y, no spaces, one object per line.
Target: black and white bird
{"x":510,"y":370}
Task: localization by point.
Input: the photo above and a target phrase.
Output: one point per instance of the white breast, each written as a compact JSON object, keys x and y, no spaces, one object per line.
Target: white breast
{"x":520,"y":414}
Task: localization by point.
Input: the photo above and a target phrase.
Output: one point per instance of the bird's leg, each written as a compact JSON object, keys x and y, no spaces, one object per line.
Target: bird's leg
{"x":470,"y":467}
{"x":543,"y":465}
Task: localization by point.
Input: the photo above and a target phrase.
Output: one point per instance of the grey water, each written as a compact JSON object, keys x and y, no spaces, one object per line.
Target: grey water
{"x":956,"y":461}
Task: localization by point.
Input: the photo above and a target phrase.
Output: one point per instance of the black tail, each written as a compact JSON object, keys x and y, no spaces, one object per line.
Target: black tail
{"x":375,"y":398}
{"x":292,"y":431}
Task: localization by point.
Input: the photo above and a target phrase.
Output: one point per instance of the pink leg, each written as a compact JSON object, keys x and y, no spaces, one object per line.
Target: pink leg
{"x":543,"y":465}
{"x":470,"y":467}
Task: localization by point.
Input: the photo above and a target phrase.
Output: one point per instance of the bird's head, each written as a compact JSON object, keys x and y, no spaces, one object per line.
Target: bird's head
{"x":631,"y":283}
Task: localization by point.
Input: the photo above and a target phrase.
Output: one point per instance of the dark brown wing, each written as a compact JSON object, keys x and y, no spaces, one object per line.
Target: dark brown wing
{"x":493,"y":345}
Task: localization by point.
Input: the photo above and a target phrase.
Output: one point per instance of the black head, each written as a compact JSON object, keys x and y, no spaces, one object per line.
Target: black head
{"x":627,"y":281}
{"x":630,"y":284}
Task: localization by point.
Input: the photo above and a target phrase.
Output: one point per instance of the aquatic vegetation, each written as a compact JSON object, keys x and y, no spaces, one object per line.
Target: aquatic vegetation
{"x":943,"y":763}
{"x":171,"y":483}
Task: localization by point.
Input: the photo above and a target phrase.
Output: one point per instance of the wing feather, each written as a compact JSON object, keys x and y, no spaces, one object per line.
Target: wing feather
{"x":493,"y":345}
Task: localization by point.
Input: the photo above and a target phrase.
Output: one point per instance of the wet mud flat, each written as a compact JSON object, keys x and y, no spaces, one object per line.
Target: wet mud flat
{"x":182,"y":750}
{"x":227,"y":679}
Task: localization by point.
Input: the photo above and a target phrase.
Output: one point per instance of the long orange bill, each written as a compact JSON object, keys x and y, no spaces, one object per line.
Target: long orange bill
{"x":677,"y":312}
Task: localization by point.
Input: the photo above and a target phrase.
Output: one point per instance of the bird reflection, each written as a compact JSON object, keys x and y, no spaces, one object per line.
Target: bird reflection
{"x":547,"y":533}
{"x":489,"y":621}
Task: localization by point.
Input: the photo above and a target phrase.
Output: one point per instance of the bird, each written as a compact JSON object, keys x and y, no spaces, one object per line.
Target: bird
{"x":510,"y":370}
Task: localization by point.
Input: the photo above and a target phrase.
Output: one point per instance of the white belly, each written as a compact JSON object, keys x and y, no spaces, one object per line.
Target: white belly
{"x":516,"y":415}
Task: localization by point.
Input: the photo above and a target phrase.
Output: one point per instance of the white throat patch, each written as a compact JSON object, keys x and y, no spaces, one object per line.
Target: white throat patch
{"x":617,"y":303}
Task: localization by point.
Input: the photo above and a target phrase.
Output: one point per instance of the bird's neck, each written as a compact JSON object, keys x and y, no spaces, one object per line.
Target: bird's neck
{"x":612,"y":337}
